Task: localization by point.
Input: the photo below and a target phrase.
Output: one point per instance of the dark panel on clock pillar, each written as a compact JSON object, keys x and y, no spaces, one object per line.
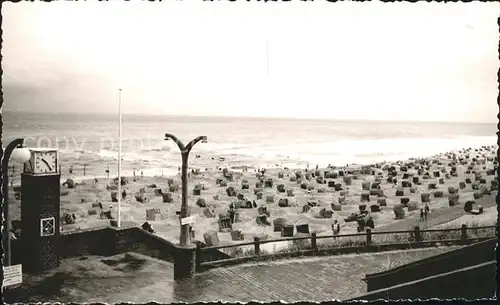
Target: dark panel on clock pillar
{"x":40,"y":200}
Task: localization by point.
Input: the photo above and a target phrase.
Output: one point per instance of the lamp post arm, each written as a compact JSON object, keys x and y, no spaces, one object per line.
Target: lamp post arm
{"x":5,"y":192}
{"x":190,"y":145}
{"x":8,"y":151}
{"x":176,"y":140}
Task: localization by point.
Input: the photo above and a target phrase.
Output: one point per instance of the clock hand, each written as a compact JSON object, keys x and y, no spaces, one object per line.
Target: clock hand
{"x":47,"y":163}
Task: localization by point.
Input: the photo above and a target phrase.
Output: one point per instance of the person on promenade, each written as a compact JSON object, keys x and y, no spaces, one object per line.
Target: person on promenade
{"x":421,"y":214}
{"x":425,"y":214}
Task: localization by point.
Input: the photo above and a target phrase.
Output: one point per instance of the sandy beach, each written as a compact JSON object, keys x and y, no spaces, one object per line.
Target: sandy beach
{"x":314,"y":187}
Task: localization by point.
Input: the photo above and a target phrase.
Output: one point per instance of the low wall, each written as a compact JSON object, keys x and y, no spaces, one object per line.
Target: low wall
{"x":95,"y":241}
{"x":101,"y":241}
{"x":88,"y":242}
{"x":460,"y":258}
{"x":108,"y":241}
{"x":205,"y":265}
{"x":208,"y":255}
{"x":469,"y":283}
{"x":140,"y":241}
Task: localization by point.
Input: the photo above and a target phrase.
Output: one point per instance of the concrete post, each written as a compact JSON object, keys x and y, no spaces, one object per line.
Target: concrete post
{"x":184,"y":262}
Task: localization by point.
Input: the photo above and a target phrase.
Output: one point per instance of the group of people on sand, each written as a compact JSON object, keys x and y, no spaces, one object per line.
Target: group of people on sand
{"x":424,"y":212}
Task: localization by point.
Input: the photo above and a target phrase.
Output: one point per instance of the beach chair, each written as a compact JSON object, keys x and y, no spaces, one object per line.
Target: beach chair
{"x":107,"y":214}
{"x":225,"y":224}
{"x":325,"y":213}
{"x":261,"y":220}
{"x":201,"y":202}
{"x":231,"y":192}
{"x":147,"y":227}
{"x":283,"y":203}
{"x":209,"y":212}
{"x":197,"y":190}
{"x":263,"y":211}
{"x":279,"y":224}
{"x":211,"y":238}
{"x":468,"y":206}
{"x":306,"y":208}
{"x":303,"y":228}
{"x":287,"y":231}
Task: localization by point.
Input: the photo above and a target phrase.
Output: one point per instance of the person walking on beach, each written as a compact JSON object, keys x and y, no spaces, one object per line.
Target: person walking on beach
{"x":231,"y":212}
{"x":336,"y":228}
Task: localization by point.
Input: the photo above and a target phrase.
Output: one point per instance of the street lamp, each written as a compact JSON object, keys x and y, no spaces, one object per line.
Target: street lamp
{"x":15,"y":151}
{"x":185,"y":150}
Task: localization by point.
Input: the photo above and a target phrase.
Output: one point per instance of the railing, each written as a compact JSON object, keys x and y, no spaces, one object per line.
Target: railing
{"x":368,"y":241}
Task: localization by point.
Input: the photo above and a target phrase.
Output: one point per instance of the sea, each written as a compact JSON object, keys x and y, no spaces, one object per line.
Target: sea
{"x":89,"y":143}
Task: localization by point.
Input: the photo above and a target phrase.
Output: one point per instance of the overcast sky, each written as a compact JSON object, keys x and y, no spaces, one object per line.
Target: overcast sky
{"x":394,"y":61}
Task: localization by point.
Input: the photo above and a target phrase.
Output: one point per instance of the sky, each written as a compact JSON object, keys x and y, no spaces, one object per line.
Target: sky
{"x":375,"y":61}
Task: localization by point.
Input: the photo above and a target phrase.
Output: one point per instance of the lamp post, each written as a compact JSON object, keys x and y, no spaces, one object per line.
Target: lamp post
{"x":185,"y":150}
{"x":14,"y":150}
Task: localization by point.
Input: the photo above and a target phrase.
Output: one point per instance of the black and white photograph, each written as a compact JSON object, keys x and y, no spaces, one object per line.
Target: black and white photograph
{"x":238,"y":151}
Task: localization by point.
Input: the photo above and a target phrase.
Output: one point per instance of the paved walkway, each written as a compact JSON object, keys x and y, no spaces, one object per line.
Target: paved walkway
{"x":311,"y":279}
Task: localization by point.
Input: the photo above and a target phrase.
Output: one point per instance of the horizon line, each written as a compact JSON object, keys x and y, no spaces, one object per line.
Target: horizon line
{"x":245,"y":117}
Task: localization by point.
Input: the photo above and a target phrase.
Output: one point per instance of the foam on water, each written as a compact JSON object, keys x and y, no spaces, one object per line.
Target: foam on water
{"x":339,"y":153}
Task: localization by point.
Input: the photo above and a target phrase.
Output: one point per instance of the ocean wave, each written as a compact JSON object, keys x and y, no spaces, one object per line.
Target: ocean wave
{"x":364,"y":151}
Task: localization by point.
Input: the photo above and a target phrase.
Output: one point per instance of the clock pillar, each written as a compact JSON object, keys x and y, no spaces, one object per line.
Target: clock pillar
{"x":40,"y":214}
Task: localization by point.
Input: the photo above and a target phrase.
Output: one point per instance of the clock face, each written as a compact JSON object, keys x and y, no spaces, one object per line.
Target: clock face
{"x":45,"y":162}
